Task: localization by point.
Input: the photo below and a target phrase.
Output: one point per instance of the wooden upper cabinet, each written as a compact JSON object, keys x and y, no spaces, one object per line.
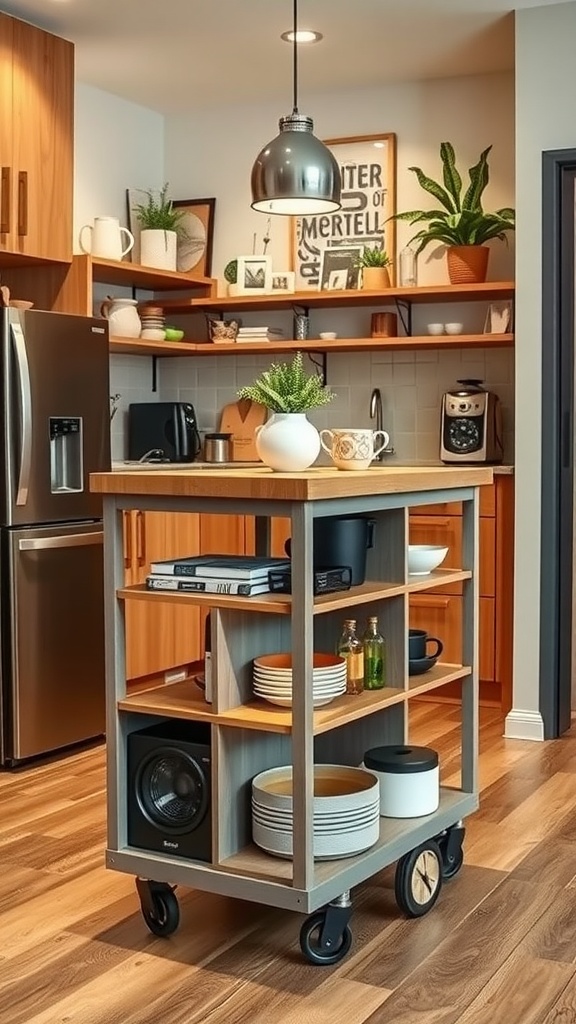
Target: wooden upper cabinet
{"x":36,"y":140}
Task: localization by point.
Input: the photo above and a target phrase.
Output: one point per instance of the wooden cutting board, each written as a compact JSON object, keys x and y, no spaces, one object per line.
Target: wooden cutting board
{"x":241,"y":419}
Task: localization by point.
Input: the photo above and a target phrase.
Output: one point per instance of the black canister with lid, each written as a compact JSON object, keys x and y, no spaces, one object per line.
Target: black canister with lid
{"x":409,"y":779}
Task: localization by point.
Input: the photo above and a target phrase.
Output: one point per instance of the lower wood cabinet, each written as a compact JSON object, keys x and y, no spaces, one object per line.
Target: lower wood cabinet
{"x":164,"y":636}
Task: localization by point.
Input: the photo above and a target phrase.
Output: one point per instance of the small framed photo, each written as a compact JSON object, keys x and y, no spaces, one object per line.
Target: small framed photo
{"x":339,"y":268}
{"x":254,"y":276}
{"x":283,"y":281}
{"x":498,"y":318}
{"x":195,"y":241}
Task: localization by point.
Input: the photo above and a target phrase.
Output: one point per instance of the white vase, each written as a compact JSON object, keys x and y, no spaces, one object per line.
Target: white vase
{"x":158,"y":249}
{"x":288,"y":442}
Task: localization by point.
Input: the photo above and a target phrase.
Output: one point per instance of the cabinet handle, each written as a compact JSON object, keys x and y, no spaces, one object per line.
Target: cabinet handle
{"x":140,"y":538}
{"x":430,"y":601}
{"x":6,"y":201}
{"x":22,"y":202}
{"x":127,"y":539}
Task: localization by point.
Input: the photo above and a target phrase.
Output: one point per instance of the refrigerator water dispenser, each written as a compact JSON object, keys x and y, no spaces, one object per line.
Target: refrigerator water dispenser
{"x":66,"y":469}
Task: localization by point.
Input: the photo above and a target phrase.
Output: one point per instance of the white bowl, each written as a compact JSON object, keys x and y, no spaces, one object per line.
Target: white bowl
{"x":435,"y":328}
{"x":328,"y":335}
{"x":336,"y":788}
{"x":423,"y":558}
{"x":454,"y":328}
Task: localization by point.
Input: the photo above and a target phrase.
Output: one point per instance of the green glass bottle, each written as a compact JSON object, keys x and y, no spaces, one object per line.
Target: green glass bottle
{"x":374,"y":646}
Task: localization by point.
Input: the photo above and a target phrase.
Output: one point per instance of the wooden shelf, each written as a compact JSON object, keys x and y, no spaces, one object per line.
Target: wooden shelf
{"x":358,"y":297}
{"x":281,"y":604}
{"x":256,"y":863}
{"x":142,"y":347}
{"x":135,"y":276}
{"x":185,"y":700}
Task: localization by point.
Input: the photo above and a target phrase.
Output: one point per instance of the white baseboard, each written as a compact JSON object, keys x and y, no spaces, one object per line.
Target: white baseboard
{"x":524,"y":725}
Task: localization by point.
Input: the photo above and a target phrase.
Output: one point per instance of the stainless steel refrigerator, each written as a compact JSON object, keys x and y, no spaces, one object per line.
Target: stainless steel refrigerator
{"x":55,"y":432}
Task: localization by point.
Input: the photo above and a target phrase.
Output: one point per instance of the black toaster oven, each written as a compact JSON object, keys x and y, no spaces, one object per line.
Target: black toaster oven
{"x":168,"y":429}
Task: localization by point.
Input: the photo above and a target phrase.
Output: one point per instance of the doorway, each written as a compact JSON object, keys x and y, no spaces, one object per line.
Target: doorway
{"x":558,"y":504}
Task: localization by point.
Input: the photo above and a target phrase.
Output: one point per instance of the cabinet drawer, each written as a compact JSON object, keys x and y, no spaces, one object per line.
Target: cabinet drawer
{"x":454,"y":508}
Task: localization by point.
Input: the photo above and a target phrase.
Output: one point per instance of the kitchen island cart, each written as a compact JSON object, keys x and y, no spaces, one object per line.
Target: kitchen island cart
{"x":248,"y":736}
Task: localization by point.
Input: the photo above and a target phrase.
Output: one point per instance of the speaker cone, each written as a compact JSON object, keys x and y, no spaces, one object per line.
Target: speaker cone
{"x":172,"y":790}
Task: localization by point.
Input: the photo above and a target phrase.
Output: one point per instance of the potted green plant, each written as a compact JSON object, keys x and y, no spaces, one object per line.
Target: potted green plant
{"x":231,"y":276}
{"x":161,"y":225}
{"x":462,"y":224}
{"x":288,"y":442}
{"x":374,"y":263}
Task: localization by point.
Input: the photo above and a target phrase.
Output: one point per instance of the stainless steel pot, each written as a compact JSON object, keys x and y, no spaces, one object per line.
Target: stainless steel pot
{"x":218,"y":448}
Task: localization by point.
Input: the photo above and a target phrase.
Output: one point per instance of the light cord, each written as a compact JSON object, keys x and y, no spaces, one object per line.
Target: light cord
{"x":295,"y":56}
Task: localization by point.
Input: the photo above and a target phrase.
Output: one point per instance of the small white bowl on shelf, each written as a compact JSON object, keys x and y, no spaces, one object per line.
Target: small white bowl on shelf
{"x":423,"y":558}
{"x":328,"y":335}
{"x":454,"y":328}
{"x":435,"y":328}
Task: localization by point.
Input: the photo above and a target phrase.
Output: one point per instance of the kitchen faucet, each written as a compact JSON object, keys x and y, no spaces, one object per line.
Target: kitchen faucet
{"x":376,"y":413}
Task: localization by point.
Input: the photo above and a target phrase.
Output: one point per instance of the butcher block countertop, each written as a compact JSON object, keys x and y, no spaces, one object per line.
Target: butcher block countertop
{"x":310,"y":485}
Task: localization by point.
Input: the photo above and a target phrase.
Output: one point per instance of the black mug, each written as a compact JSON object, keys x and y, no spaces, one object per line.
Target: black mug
{"x":418,"y":641}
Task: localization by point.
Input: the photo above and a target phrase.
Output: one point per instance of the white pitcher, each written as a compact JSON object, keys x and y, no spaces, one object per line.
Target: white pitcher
{"x":122,"y":316}
{"x":106,"y":238}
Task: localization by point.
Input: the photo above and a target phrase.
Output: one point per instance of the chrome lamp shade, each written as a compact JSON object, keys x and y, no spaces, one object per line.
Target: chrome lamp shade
{"x":296,"y":174}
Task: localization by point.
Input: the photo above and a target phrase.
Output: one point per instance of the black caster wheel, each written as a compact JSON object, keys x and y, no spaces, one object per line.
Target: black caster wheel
{"x":311,"y":942}
{"x":160,"y":908}
{"x":450,"y":844}
{"x":419,"y":879}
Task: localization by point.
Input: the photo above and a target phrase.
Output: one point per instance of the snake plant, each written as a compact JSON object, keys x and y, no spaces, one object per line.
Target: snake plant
{"x":462,"y":221}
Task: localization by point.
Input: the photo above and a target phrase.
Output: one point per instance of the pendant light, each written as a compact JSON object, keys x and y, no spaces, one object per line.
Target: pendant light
{"x":296,"y":174}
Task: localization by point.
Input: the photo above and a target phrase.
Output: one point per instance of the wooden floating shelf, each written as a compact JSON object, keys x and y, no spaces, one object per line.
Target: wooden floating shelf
{"x":354,"y":297}
{"x":185,"y":700}
{"x":136,"y":276}
{"x":142,"y":347}
{"x":281,"y":604}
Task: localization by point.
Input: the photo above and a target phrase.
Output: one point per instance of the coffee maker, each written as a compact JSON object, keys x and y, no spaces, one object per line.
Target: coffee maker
{"x":471,"y":425}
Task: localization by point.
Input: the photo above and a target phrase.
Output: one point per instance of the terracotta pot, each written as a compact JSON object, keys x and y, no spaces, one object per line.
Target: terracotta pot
{"x":467,"y":264}
{"x":375,"y":278}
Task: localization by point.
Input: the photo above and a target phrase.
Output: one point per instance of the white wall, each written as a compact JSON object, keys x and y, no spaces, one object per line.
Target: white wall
{"x":117,"y":145}
{"x":544,"y":120}
{"x":211,"y":154}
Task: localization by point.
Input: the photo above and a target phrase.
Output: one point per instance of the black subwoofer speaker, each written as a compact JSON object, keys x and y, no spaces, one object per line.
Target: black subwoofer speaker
{"x":169,"y":789}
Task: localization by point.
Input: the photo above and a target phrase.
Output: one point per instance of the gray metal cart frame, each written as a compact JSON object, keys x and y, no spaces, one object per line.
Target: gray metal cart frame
{"x":243,"y":747}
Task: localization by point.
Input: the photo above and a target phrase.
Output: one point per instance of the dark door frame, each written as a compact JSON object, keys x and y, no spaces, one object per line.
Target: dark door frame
{"x":557,"y":496}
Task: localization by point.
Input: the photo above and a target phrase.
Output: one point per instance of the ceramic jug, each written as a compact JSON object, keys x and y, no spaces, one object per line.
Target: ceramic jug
{"x":106,"y":238}
{"x":122,"y":317}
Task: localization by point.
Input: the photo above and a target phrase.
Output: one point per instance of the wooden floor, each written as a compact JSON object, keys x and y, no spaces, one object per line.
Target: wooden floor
{"x":498,"y":948}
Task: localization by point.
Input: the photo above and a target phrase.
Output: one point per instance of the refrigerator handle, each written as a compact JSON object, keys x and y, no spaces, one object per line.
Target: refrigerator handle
{"x":25,"y":401}
{"x":71,"y":540}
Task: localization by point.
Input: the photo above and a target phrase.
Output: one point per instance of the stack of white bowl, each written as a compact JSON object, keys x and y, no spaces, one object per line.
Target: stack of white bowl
{"x":346,"y":811}
{"x":272,"y":678}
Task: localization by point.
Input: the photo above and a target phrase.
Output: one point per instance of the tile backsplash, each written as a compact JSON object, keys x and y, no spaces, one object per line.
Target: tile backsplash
{"x":411,"y":382}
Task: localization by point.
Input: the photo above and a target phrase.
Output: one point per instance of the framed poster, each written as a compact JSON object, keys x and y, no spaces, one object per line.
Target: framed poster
{"x":195,"y":243}
{"x":368,"y":168}
{"x":339,"y":268}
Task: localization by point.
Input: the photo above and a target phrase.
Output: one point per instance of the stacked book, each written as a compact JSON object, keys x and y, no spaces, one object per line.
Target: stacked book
{"x":215,"y":574}
{"x":260,"y":334}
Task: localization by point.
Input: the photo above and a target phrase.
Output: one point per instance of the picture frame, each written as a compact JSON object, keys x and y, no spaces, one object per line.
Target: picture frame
{"x":194,"y":250}
{"x":339,"y":268}
{"x":282,"y":281}
{"x":254,"y":275}
{"x":498,"y":318}
{"x":368,"y":169}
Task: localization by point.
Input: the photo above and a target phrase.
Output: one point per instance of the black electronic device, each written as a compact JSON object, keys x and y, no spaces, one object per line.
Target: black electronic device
{"x":167,"y":429}
{"x":324,"y":581}
{"x":169,"y":791}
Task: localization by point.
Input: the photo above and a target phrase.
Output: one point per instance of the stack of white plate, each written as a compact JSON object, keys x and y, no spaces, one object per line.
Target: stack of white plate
{"x":272,"y":678}
{"x":346,"y":811}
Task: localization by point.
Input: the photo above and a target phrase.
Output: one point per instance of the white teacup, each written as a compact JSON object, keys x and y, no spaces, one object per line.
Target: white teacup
{"x":351,"y":447}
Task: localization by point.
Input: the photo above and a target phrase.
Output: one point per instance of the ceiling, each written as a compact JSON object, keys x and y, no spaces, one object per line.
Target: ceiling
{"x":178,"y":55}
